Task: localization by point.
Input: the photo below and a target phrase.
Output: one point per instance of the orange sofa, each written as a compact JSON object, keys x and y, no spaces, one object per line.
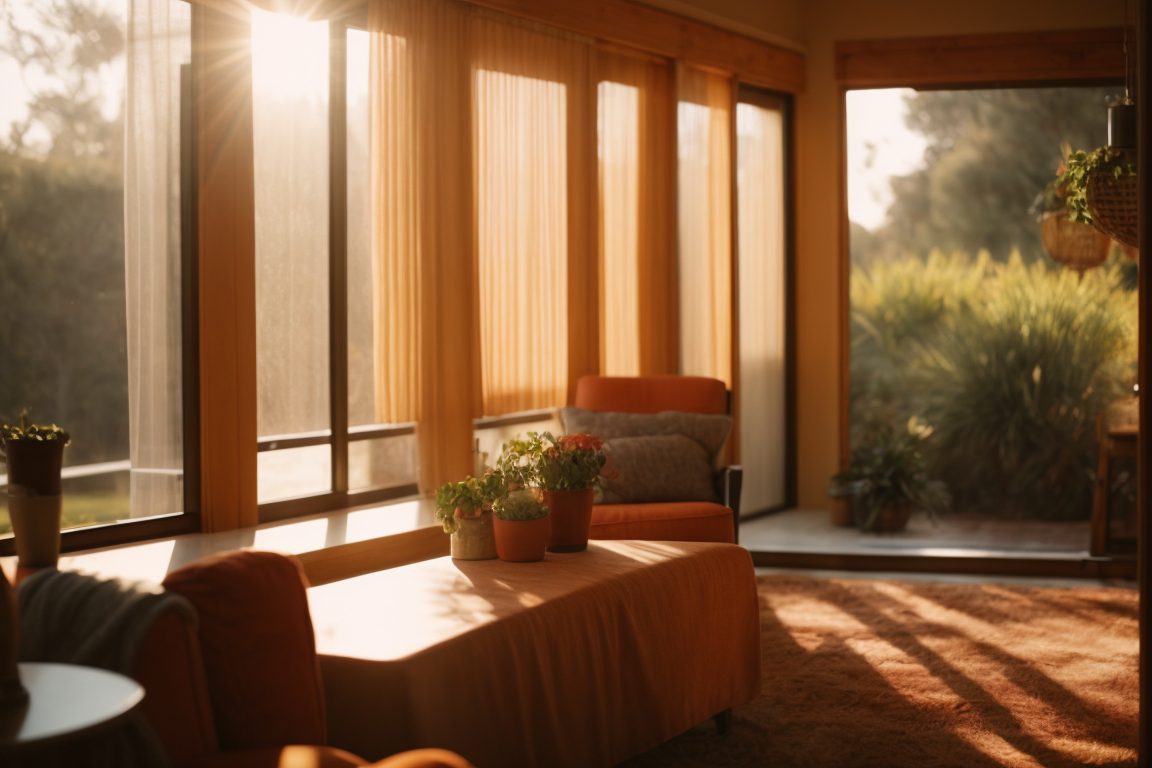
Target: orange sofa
{"x":664,"y":438}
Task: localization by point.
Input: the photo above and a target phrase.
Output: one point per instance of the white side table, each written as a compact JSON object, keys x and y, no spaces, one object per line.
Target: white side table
{"x":66,"y":701}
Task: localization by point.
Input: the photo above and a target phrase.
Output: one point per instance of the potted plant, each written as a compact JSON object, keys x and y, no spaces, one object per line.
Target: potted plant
{"x":34,"y":456}
{"x":887,"y":480}
{"x":464,"y":509}
{"x":1068,"y":237}
{"x":522,"y":526}
{"x":566,"y":469}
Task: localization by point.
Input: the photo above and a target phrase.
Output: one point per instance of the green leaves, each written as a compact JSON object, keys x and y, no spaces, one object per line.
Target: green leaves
{"x":23,"y":431}
{"x":1079,"y":166}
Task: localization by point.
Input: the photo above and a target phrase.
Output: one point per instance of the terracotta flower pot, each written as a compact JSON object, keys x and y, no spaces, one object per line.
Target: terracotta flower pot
{"x":522,"y":541}
{"x":890,"y":518}
{"x":474,"y":538}
{"x":571,"y":513}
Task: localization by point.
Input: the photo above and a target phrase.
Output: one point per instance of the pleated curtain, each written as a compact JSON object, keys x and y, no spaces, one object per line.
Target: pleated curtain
{"x":704,"y":121}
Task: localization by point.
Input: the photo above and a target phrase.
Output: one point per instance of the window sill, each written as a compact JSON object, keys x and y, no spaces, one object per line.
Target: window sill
{"x":331,"y":546}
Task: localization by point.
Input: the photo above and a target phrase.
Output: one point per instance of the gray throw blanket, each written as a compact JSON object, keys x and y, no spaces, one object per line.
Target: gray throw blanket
{"x":76,"y":618}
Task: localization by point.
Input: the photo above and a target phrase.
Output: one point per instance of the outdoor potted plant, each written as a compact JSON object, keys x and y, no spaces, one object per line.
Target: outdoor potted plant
{"x":464,"y":509}
{"x":886,"y":480}
{"x":566,"y":469}
{"x":34,"y":456}
{"x":522,"y":526}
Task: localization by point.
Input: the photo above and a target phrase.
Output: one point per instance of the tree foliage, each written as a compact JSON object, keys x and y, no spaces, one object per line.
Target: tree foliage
{"x":62,"y":297}
{"x":990,"y":154}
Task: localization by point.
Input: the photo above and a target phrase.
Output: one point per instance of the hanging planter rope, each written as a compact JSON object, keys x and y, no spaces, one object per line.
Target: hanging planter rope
{"x":1075,"y":244}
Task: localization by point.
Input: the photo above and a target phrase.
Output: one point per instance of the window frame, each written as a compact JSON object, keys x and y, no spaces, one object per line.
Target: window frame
{"x":1025,"y":59}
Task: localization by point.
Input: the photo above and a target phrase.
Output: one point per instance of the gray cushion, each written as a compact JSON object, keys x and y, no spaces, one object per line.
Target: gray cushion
{"x":666,"y":456}
{"x":656,"y":468}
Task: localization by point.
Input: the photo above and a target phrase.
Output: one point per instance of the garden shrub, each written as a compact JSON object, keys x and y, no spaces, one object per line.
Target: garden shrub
{"x":1009,"y":369}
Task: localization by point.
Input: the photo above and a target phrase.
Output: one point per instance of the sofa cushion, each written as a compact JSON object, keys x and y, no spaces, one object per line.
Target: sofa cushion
{"x":668,"y":521}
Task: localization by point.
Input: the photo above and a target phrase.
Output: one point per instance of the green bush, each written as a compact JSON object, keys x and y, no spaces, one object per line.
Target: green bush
{"x":899,"y":310}
{"x":1007,"y":363}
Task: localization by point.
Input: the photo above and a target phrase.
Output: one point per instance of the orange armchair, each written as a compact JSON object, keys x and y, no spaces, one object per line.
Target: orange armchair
{"x":664,"y":436}
{"x":225,"y":653}
{"x":259,"y":662}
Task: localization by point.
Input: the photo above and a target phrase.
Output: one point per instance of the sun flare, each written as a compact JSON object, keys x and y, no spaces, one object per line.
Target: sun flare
{"x":289,"y":56}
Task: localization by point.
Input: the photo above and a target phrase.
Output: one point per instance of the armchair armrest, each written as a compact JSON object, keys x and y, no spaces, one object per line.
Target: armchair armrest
{"x":731,"y":481}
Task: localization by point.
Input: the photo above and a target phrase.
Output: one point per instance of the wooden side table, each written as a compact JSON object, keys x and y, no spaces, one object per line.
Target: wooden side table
{"x":65,"y":701}
{"x":1115,"y":443}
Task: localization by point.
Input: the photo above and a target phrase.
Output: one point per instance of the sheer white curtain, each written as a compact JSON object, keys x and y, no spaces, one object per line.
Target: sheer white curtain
{"x":636,"y":119}
{"x":422,"y":237}
{"x":761,"y":239}
{"x":158,"y":52}
{"x":619,"y":124}
{"x":533,"y":135}
{"x":704,"y":121}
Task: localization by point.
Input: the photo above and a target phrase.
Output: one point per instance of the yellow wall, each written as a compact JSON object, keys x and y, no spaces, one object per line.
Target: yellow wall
{"x":816,"y":25}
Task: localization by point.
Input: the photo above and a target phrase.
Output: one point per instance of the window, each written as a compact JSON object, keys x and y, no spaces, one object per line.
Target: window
{"x":95,"y":231}
{"x":321,"y":444}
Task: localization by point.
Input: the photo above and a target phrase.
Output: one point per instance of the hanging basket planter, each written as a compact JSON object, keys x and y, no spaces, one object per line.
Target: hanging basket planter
{"x":1099,"y":188}
{"x":1075,"y":244}
{"x":1112,"y":202}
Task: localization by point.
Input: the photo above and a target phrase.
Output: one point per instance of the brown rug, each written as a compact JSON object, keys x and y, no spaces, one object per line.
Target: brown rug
{"x":862,"y":672}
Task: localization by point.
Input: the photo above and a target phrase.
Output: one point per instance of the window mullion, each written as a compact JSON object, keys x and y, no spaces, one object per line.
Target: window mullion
{"x":338,"y":253}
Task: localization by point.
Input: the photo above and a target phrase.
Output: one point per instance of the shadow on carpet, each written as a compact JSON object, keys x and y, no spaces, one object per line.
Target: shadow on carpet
{"x":860,"y":673}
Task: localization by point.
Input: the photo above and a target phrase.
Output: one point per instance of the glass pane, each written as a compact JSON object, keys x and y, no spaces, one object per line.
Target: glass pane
{"x":290,"y":473}
{"x":90,"y":316}
{"x":967,"y":330}
{"x":761,"y":238}
{"x":290,"y":126}
{"x":382,"y":463}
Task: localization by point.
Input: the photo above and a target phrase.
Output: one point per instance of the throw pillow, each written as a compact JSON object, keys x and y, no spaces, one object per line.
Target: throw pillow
{"x":656,"y":468}
{"x":708,"y":429}
{"x":666,"y":456}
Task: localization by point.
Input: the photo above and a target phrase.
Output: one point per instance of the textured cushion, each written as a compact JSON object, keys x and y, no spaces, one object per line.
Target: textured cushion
{"x":656,"y":468}
{"x":709,"y":430}
{"x":667,"y":456}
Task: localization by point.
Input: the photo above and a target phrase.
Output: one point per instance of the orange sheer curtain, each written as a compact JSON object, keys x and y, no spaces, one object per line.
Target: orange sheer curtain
{"x":705,"y":212}
{"x":533,"y":135}
{"x":422,"y":228}
{"x":637,"y":215}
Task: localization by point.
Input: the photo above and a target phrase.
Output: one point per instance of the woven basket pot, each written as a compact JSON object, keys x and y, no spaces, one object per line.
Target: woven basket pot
{"x":1074,"y":244}
{"x":1112,"y":203}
